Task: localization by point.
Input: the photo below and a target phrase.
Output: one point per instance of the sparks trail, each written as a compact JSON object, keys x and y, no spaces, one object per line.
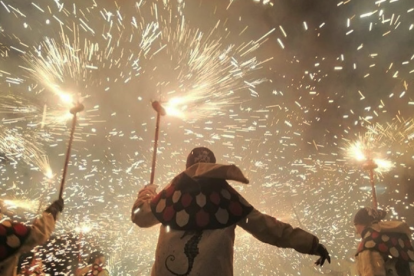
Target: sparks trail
{"x":18,"y":145}
{"x":400,"y":130}
{"x":64,"y":65}
{"x":208,"y":74}
{"x":17,"y":108}
{"x":198,"y":74}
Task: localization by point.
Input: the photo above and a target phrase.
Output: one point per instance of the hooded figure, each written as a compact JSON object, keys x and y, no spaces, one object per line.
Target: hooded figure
{"x":95,"y":266}
{"x":199,"y":211}
{"x":17,"y":238}
{"x":385,"y":249}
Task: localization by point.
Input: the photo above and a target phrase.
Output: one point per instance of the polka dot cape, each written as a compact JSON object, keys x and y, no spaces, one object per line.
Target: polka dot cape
{"x":12,"y":237}
{"x":190,"y":204}
{"x":396,"y":245}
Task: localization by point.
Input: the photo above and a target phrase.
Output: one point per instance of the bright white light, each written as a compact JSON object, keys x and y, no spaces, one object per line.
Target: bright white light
{"x":356,"y":151}
{"x":175,"y":107}
{"x":384,"y":165}
{"x":83,"y":229}
{"x":49,"y":173}
{"x":66,"y":98}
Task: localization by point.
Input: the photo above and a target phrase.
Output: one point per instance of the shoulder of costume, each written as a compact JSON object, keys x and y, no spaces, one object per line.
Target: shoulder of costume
{"x":395,"y":226}
{"x":220,"y":171}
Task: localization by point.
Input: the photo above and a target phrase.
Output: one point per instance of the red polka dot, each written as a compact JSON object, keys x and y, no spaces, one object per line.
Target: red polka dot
{"x":375,"y":235}
{"x":186,"y":200}
{"x":394,"y":241}
{"x":168,"y":213}
{"x":215,"y":198}
{"x":383,"y":247}
{"x":3,"y":252}
{"x":404,"y":255}
{"x":169,"y":191}
{"x":407,"y":243}
{"x":202,"y":218}
{"x":3,"y":231}
{"x":20,"y":229}
{"x":235,"y":208}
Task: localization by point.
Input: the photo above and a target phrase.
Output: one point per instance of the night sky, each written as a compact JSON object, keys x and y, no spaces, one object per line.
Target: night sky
{"x":282,"y":89}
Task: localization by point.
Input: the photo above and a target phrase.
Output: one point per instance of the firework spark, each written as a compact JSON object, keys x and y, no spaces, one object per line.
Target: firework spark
{"x":17,"y":145}
{"x":25,"y":204}
{"x":363,"y":150}
{"x":201,"y":75}
{"x":63,"y":66}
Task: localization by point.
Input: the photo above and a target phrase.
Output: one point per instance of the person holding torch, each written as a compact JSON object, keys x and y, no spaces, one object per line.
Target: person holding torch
{"x":17,"y":238}
{"x":199,"y":211}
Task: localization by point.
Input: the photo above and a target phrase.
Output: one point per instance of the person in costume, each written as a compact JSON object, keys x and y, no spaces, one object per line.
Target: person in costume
{"x":386,"y":247}
{"x":199,"y":211}
{"x":17,"y":238}
{"x":95,"y":266}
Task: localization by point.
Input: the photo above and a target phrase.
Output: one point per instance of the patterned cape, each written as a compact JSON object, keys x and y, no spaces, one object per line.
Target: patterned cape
{"x":197,"y":204}
{"x":12,"y":237}
{"x":394,"y":244}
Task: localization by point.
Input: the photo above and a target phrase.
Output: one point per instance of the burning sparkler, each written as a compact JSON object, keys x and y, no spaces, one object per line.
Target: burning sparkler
{"x":364,"y":153}
{"x":204,"y":74}
{"x":64,"y":63}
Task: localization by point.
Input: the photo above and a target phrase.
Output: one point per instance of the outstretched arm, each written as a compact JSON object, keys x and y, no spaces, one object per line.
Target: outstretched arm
{"x":269,"y":230}
{"x":141,"y":213}
{"x":43,"y":227}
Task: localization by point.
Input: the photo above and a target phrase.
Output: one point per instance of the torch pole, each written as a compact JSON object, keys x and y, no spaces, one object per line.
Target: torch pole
{"x":374,"y":193}
{"x":370,"y":166}
{"x":75,"y":110}
{"x":160,"y":112}
{"x":65,"y":168}
{"x":154,"y":154}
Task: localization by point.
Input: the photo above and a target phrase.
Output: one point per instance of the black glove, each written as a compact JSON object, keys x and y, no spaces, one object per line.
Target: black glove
{"x":323,"y":253}
{"x":55,"y":208}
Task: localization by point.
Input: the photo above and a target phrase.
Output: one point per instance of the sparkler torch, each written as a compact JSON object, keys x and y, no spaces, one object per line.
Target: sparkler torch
{"x":370,"y":166}
{"x":74,"y":111}
{"x":160,"y":112}
{"x":362,"y":151}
